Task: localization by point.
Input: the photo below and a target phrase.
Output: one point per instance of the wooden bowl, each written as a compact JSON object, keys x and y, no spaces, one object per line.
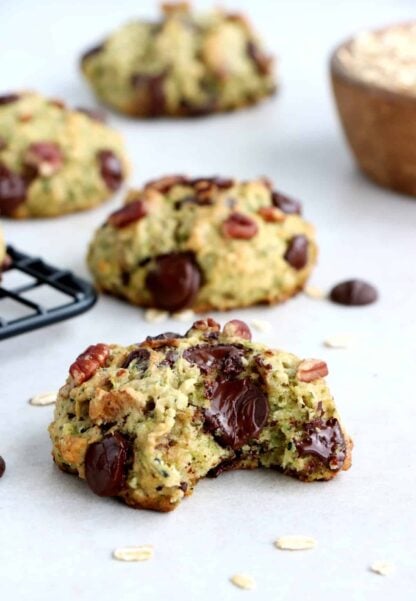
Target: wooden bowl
{"x":380,"y":126}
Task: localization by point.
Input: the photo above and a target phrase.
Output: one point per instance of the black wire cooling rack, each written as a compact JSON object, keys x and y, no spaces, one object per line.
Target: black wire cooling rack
{"x":34,"y":294}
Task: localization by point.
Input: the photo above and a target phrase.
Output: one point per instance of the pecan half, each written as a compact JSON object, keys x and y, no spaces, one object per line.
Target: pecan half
{"x":87,"y":363}
{"x":311,"y":369}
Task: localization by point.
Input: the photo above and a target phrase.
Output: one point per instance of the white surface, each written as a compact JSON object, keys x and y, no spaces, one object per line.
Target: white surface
{"x":56,"y":538}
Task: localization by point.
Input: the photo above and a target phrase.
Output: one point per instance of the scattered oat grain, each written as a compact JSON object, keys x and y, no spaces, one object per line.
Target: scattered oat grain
{"x":384,"y":568}
{"x":187,"y":315}
{"x":338,"y":341}
{"x":295,"y":543}
{"x":139,"y":553}
{"x":243,"y":581}
{"x":261,"y":325}
{"x":45,"y":398}
{"x":314,"y":292}
{"x":155,"y":316}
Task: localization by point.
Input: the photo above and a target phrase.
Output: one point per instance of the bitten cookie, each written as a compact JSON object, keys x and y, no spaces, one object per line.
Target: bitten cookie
{"x":207,"y":243}
{"x":182,"y":65}
{"x":146,"y":422}
{"x":54,"y":160}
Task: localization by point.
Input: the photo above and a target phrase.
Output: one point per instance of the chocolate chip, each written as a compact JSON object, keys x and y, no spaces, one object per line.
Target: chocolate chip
{"x":8,"y":98}
{"x":170,"y":359}
{"x":110,"y":169}
{"x":131,"y":212}
{"x":174,"y":281}
{"x":152,"y":86}
{"x":92,"y":52}
{"x":354,"y":293}
{"x":297,"y":252}
{"x":238,"y":412}
{"x":12,"y":190}
{"x":239,"y":226}
{"x":324,"y":439}
{"x":286,"y":204}
{"x":104,"y":465}
{"x":94,"y":114}
{"x":225,"y":466}
{"x":226,"y":358}
{"x":140,"y":357}
{"x":2,"y":466}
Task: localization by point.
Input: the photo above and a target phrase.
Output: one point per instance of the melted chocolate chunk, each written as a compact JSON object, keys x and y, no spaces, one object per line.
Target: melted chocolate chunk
{"x":174,"y":281}
{"x":110,"y":169}
{"x":353,"y":293}
{"x":286,"y":204}
{"x":324,"y":439}
{"x":297,"y":252}
{"x":12,"y":190}
{"x":238,"y":412}
{"x":170,"y":359}
{"x":153,"y":87}
{"x":226,"y":358}
{"x":2,"y":466}
{"x":140,"y":356}
{"x":8,"y":98}
{"x":104,"y":465}
{"x":225,"y":466}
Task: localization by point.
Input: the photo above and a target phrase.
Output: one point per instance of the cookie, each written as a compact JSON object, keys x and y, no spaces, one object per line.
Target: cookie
{"x":146,"y":422}
{"x":206,"y":243}
{"x":183,"y":65}
{"x":54,"y":160}
{"x":3,"y":256}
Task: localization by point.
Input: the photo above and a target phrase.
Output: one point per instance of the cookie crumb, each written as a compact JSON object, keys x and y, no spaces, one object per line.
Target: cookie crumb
{"x":339,"y":341}
{"x":45,"y":398}
{"x":243,"y":581}
{"x":155,"y":316}
{"x":261,"y":325}
{"x":384,"y":568}
{"x":139,"y":553}
{"x":314,"y":292}
{"x":187,"y":315}
{"x":295,"y":543}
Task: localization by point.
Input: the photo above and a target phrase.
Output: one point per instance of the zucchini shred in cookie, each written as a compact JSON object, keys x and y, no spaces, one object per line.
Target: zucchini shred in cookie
{"x":204,"y":243}
{"x":146,"y":422}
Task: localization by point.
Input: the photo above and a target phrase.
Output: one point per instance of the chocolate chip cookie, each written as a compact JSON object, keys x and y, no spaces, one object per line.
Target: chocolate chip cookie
{"x":182,"y":65}
{"x":146,"y":422}
{"x":54,"y":160}
{"x":205,"y":243}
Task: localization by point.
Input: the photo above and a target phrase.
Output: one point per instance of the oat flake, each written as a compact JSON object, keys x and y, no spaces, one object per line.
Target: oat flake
{"x":139,"y":553}
{"x":243,"y":581}
{"x":339,"y":341}
{"x":155,"y":316}
{"x":384,"y":568}
{"x":45,"y":398}
{"x":261,"y":325}
{"x":295,"y":543}
{"x":314,"y":292}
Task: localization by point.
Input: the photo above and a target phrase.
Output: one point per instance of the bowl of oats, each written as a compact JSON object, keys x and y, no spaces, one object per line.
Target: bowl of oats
{"x":374,"y":83}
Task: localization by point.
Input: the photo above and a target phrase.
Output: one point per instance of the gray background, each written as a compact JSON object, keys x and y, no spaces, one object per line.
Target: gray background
{"x":56,"y":538}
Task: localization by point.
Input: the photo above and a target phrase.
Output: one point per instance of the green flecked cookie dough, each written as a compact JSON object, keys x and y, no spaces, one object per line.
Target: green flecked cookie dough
{"x":182,"y":65}
{"x":146,"y":422}
{"x":206,"y":243}
{"x":54,"y":160}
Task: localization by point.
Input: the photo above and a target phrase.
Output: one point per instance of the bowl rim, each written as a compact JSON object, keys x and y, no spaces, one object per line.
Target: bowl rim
{"x":337,"y":69}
